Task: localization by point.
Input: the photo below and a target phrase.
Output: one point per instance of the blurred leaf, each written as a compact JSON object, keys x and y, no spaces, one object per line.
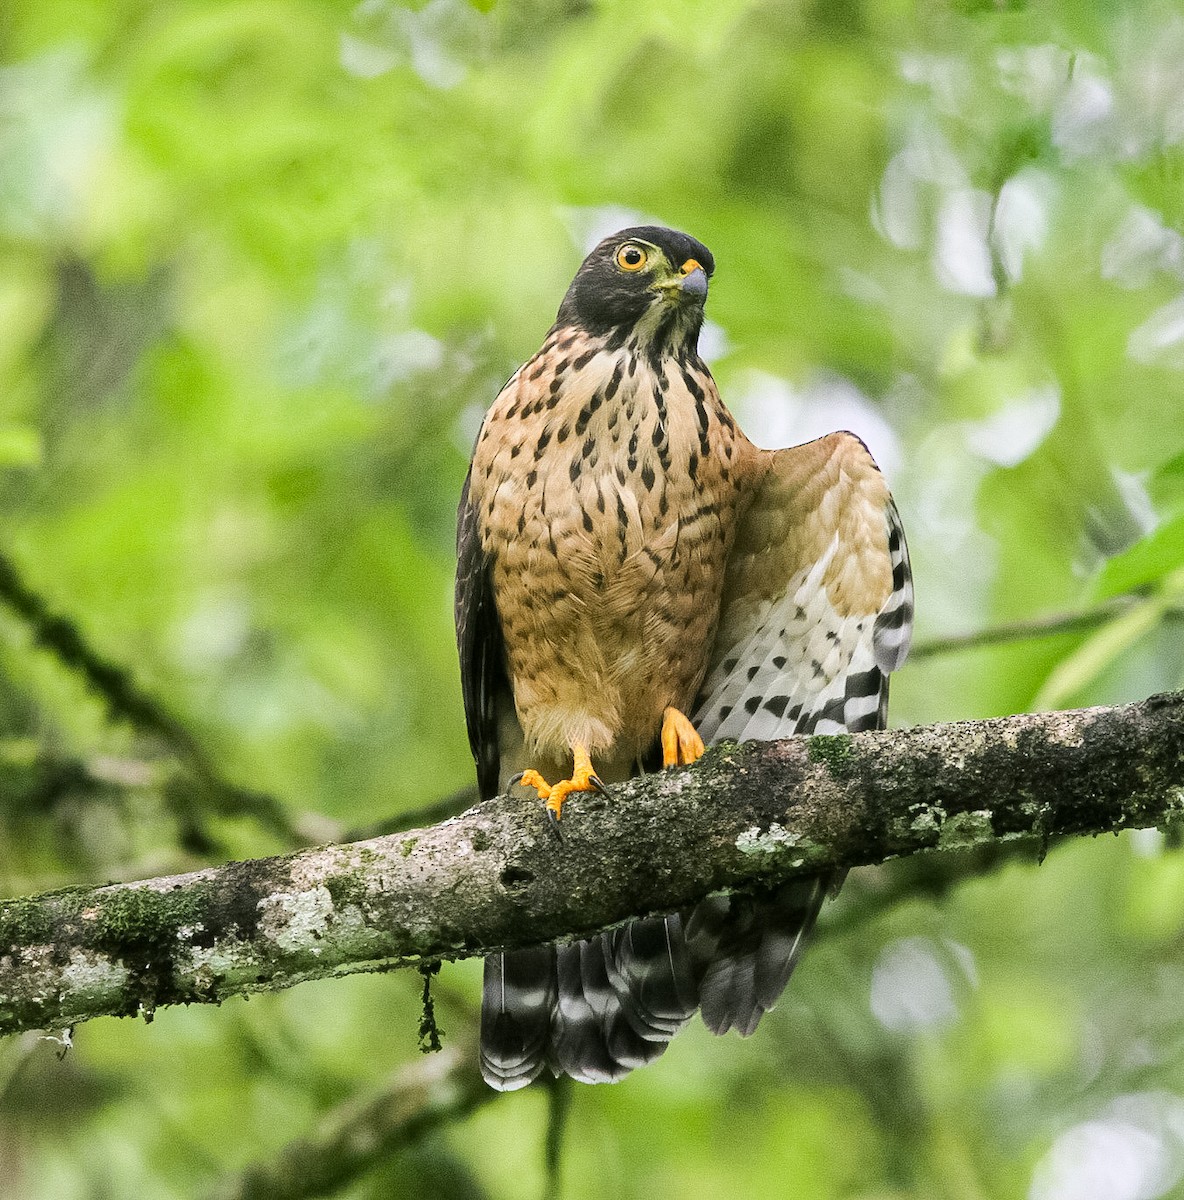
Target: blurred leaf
{"x":1147,"y":562}
{"x":20,"y":446}
{"x":1081,"y":668}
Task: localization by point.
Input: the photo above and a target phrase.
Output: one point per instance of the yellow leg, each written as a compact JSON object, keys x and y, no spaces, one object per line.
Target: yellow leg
{"x":583,"y":779}
{"x":681,"y":743}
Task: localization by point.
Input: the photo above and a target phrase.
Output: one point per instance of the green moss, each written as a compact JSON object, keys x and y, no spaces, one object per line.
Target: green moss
{"x":139,"y":928}
{"x":720,"y":753}
{"x":408,"y":845}
{"x":1171,"y":824}
{"x":836,"y":752}
{"x":129,"y":917}
{"x":26,"y":922}
{"x":133,"y":919}
{"x":345,"y":890}
{"x":965,"y":830}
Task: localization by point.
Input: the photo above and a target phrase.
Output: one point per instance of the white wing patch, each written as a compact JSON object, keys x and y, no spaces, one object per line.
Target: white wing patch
{"x":804,"y":669}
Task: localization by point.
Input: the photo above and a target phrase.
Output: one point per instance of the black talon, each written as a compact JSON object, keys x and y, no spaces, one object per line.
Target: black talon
{"x":515,"y":779}
{"x":594,"y":780}
{"x":553,"y":822}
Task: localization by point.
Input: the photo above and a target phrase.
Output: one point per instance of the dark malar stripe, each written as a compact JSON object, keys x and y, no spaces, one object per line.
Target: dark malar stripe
{"x":656,"y":350}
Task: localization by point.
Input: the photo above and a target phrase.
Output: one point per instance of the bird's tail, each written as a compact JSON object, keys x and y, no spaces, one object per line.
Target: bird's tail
{"x":516,"y":1005}
{"x":599,"y":1008}
{"x":745,"y":948}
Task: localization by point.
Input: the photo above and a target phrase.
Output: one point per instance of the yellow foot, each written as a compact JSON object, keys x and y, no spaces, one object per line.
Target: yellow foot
{"x":583,"y":779}
{"x":681,"y":744}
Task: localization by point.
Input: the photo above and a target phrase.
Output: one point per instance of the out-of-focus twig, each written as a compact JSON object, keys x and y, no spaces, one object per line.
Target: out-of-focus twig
{"x":559,"y":1110}
{"x":436,"y":1091}
{"x":1034,"y":627}
{"x":127,"y":701}
{"x":873,"y":891}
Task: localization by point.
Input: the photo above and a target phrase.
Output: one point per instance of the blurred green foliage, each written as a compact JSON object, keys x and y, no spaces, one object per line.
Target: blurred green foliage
{"x":263,"y":263}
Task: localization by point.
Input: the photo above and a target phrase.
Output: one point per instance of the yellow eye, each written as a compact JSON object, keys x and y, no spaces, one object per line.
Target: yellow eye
{"x":631,"y":257}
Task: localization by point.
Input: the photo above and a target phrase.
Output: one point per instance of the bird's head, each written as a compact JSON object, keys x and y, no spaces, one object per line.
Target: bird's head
{"x":645,"y":281}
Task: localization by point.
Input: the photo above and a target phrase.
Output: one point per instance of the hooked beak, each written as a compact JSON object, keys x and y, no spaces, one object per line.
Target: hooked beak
{"x":689,"y":284}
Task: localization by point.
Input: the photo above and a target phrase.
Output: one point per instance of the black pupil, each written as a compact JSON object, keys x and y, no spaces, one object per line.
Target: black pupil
{"x":632,"y":257}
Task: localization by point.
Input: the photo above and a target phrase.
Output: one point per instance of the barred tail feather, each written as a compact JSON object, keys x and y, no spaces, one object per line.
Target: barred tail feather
{"x":747,"y":948}
{"x":516,"y":1002}
{"x":654,"y":975}
{"x":601,"y":1030}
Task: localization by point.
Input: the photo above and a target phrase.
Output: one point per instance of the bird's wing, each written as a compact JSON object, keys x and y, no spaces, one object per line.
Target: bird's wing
{"x":520,"y":987}
{"x":479,"y":639}
{"x":818,"y":600}
{"x":817,"y":611}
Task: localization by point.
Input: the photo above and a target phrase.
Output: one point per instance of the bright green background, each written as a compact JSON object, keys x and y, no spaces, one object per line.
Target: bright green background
{"x":263,"y":264}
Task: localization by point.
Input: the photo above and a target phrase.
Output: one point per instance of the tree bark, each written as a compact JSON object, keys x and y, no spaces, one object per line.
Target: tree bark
{"x":498,"y":876}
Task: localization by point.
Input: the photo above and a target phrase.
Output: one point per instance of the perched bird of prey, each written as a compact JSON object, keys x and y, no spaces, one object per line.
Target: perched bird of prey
{"x":636,"y":578}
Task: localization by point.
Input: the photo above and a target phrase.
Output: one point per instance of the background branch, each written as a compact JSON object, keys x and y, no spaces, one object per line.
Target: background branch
{"x":127,"y":700}
{"x":437,"y":1090}
{"x":1031,"y":628}
{"x":746,"y":816}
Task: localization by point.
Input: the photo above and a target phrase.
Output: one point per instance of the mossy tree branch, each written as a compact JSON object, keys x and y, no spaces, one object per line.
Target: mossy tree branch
{"x":497,"y":876}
